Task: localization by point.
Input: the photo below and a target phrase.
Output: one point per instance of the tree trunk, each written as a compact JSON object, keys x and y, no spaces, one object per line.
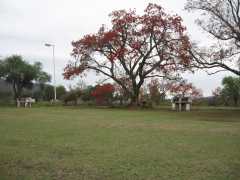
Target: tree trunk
{"x":134,"y":101}
{"x":15,"y":94}
{"x":135,"y":98}
{"x":17,"y":90}
{"x":135,"y":94}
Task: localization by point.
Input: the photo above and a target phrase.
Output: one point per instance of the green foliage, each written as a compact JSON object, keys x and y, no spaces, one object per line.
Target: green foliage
{"x":48,"y":92}
{"x":87,"y":93}
{"x":72,"y":96}
{"x":231,"y":89}
{"x":61,"y":91}
{"x":42,"y":77}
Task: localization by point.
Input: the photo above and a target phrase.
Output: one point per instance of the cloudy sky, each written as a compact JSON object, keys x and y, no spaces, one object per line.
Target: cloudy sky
{"x":27,"y":24}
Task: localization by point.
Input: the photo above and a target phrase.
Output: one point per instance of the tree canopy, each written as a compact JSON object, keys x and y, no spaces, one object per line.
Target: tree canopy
{"x":231,"y":88}
{"x":136,"y":47}
{"x":21,"y":74}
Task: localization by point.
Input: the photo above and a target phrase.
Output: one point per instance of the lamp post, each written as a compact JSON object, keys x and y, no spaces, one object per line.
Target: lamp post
{"x":54,"y":74}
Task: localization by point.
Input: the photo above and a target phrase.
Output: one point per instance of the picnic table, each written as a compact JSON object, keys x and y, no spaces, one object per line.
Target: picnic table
{"x":26,"y":102}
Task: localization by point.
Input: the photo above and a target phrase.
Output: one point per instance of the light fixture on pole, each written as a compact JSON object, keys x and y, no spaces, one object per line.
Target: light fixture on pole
{"x":54,"y":74}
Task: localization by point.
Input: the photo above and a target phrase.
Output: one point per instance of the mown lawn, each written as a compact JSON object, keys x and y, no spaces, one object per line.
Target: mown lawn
{"x":80,"y":143}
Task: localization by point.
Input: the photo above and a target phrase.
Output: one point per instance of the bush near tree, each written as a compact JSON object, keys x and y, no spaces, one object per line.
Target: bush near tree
{"x":47,"y":93}
{"x":72,"y":97}
{"x":103,"y":94}
{"x":87,"y":94}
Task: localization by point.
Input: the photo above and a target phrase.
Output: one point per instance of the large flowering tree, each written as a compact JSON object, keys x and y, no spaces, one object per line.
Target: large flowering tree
{"x":136,"y":46}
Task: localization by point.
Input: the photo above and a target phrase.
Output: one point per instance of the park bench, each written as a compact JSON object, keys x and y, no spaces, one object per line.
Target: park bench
{"x":26,"y":102}
{"x":181,"y":103}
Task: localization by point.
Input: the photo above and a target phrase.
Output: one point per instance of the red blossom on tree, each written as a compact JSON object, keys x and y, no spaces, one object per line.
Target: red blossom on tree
{"x":136,"y":46}
{"x":185,"y":89}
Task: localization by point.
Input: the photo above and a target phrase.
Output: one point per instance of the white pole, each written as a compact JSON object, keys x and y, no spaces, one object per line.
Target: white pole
{"x":54,"y":71}
{"x":54,"y":74}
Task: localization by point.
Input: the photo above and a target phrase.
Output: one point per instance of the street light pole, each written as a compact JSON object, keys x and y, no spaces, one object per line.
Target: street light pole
{"x":54,"y":71}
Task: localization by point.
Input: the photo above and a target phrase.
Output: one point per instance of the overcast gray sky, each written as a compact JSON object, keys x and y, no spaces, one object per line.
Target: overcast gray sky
{"x":27,"y":24}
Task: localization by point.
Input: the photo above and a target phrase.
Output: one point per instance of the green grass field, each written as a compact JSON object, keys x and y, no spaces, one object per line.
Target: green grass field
{"x":80,"y":143}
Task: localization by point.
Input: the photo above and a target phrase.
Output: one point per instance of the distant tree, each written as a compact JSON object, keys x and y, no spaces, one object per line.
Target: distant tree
{"x":221,"y":19}
{"x":217,"y":92}
{"x":81,"y":84}
{"x":225,"y":97}
{"x":158,"y":89}
{"x":87,"y":93}
{"x":72,"y":96}
{"x":103,"y":93}
{"x":42,"y":78}
{"x":216,"y":95}
{"x":21,"y":74}
{"x":231,"y":88}
{"x":138,"y":47}
{"x":154,"y":92}
{"x":48,"y":92}
{"x":61,"y":91}
{"x":184,"y":89}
